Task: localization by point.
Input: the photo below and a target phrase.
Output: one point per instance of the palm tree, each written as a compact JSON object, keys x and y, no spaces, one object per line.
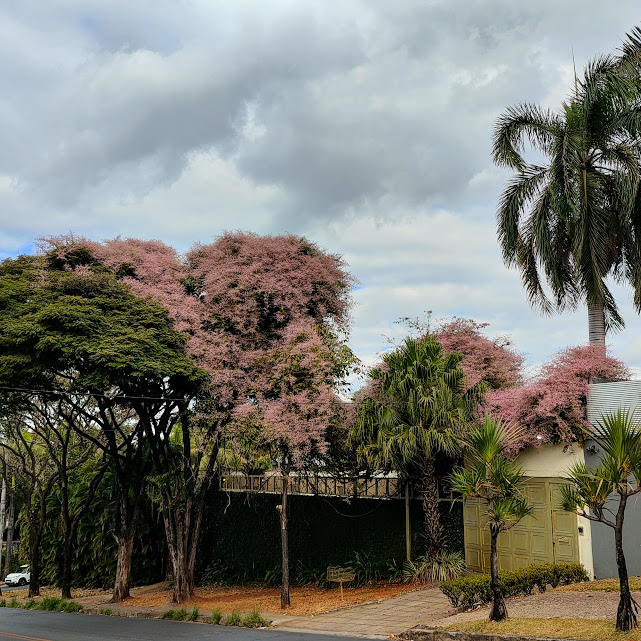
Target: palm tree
{"x":575,"y":220}
{"x":414,"y":409}
{"x":619,"y":473}
{"x":496,"y":480}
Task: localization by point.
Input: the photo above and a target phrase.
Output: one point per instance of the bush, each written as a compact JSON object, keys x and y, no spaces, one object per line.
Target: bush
{"x":216,"y":616}
{"x":255,"y":620}
{"x":445,"y":566}
{"x":176,"y":615}
{"x":233,"y":619}
{"x":193,"y":615}
{"x":474,"y":589}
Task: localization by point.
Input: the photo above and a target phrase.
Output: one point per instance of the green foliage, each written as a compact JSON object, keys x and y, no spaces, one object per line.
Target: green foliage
{"x":323,"y":532}
{"x":619,"y":437}
{"x":13,"y":603}
{"x":475,"y":589}
{"x":3,"y":603}
{"x":216,"y":617}
{"x":445,"y":566}
{"x":492,"y":477}
{"x":255,"y":620}
{"x":234,"y":619}
{"x":193,"y":615}
{"x":95,"y":553}
{"x":105,"y":611}
{"x":416,"y":405}
{"x":179,"y":614}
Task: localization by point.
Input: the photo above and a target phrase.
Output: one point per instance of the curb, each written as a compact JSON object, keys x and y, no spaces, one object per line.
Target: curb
{"x":423,"y":634}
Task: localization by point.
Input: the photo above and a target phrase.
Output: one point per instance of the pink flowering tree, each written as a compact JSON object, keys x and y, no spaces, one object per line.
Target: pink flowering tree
{"x":553,"y":406}
{"x":493,"y":361}
{"x":260,"y":316}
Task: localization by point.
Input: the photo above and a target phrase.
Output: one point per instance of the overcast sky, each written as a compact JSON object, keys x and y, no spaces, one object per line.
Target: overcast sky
{"x":364,"y":125}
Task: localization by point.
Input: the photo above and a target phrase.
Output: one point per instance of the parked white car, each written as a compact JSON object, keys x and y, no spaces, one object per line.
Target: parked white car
{"x":21,"y":577}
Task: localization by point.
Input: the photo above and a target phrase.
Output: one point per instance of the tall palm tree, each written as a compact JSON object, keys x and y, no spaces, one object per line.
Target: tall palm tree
{"x":591,"y":493}
{"x":575,"y":220}
{"x":498,"y":481}
{"x":416,"y":408}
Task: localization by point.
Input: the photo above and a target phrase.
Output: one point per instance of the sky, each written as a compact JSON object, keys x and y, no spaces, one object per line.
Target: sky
{"x":364,"y":125}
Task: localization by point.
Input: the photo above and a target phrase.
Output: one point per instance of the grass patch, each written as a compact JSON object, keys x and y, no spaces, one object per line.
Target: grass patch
{"x":193,"y":615}
{"x":105,"y":611}
{"x":602,"y":585}
{"x":581,"y":629}
{"x":216,"y":617}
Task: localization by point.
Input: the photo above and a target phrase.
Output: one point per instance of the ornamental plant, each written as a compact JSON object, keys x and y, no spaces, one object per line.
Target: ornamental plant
{"x":497,"y":481}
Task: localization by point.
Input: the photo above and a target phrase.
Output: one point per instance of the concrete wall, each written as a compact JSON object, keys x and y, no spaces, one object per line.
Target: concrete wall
{"x":603,"y":536}
{"x":550,"y":461}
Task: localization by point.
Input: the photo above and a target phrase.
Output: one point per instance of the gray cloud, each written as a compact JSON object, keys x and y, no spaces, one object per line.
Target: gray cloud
{"x":366,"y":125}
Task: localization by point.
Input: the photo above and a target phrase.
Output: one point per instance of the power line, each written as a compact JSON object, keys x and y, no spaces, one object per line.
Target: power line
{"x":76,"y":393}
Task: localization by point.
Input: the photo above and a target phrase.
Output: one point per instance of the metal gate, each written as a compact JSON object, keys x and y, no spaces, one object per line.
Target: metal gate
{"x":549,"y":535}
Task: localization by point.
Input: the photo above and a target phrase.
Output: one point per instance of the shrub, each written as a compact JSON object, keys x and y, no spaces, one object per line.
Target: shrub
{"x":105,"y":611}
{"x":255,"y":620}
{"x":474,"y":589}
{"x":445,"y":566}
{"x":3,"y":603}
{"x":216,"y":616}
{"x":176,"y":615}
{"x":233,"y":619}
{"x":13,"y":603}
{"x":193,"y":615}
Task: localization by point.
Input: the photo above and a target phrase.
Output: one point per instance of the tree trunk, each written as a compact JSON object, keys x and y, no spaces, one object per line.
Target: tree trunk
{"x":10,"y":526}
{"x":284,"y":593}
{"x":596,"y":324}
{"x":626,"y":612}
{"x":125,"y":540}
{"x":429,"y":494}
{"x":67,"y":557}
{"x":35,"y":531}
{"x":498,"y":612}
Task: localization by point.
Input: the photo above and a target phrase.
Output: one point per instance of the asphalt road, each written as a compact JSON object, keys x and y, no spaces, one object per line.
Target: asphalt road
{"x":11,"y":588}
{"x":33,"y":625}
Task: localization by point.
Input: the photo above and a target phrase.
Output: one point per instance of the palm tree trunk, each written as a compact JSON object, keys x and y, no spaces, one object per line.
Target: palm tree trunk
{"x":498,"y":612}
{"x":626,"y":612}
{"x":429,"y":493}
{"x":596,"y":323}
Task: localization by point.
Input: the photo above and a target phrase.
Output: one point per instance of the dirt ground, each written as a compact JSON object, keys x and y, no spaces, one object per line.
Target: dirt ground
{"x":305,"y":600}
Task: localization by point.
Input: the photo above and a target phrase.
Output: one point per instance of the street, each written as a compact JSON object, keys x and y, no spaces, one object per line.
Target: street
{"x":33,"y":625}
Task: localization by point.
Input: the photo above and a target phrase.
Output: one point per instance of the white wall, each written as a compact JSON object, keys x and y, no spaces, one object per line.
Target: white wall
{"x":550,"y":460}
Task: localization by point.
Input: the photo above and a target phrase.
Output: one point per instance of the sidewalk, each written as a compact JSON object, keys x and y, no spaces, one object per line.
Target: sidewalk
{"x":390,"y":617}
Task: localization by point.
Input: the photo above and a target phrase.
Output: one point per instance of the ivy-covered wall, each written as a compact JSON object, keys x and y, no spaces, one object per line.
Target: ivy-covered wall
{"x":241,"y":537}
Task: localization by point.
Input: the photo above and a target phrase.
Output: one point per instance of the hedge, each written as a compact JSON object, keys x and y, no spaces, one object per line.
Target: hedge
{"x":474,"y":589}
{"x":240,"y":538}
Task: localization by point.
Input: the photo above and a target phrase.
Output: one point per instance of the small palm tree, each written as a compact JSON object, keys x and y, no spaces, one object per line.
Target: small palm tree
{"x":575,"y":220}
{"x":495,"y":479}
{"x":416,"y":408}
{"x":617,"y":478}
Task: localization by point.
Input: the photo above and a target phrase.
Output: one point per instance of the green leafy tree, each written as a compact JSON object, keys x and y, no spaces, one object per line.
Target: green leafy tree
{"x":414,"y":409}
{"x":493,"y":478}
{"x":82,"y":334}
{"x":575,"y":220}
{"x":617,"y":478}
